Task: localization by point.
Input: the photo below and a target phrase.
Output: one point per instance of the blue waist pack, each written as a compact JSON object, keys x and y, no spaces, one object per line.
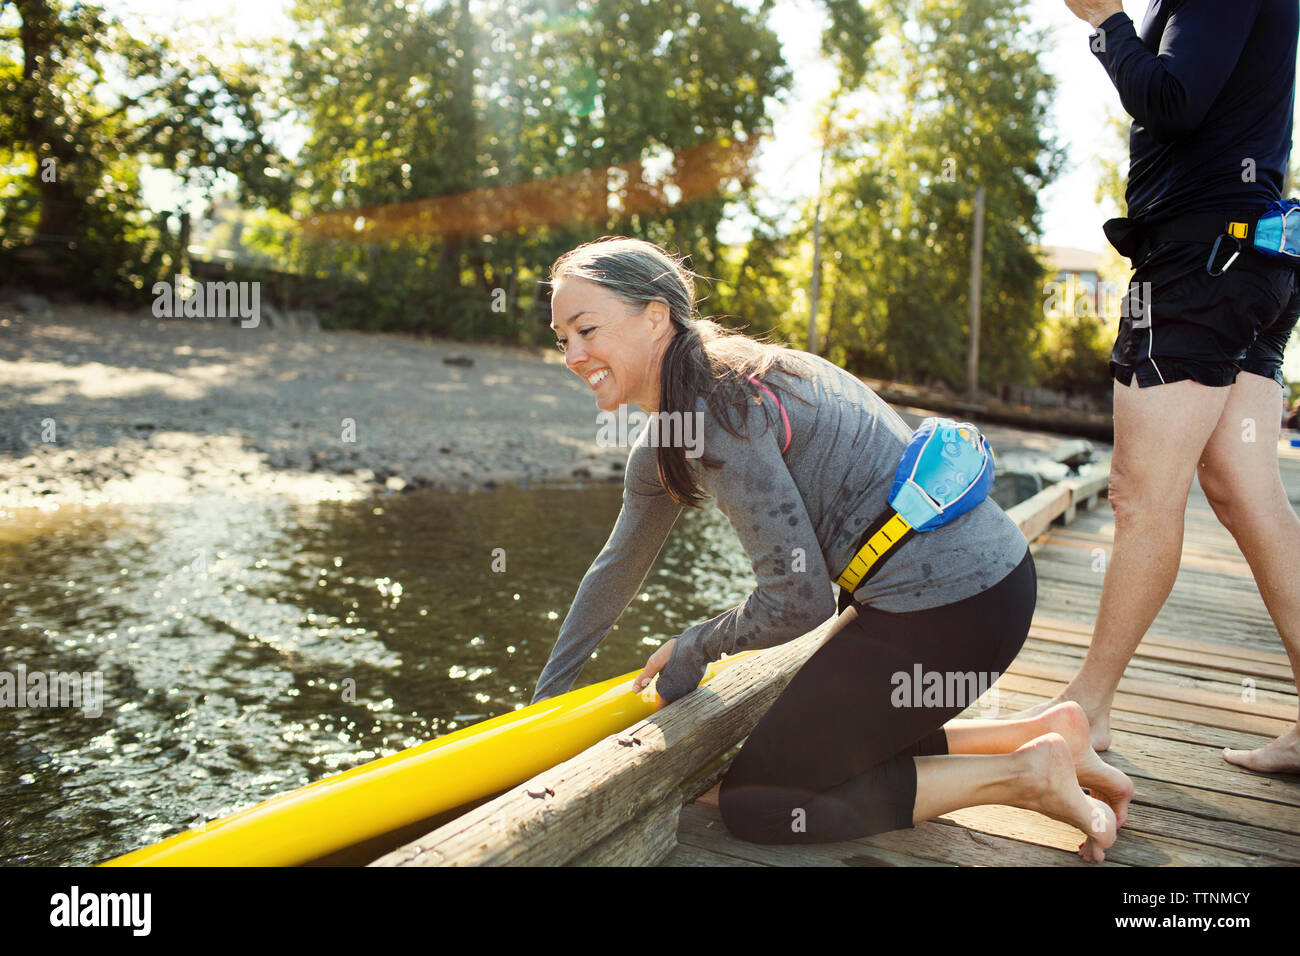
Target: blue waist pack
{"x":1277,"y":232}
{"x":946,"y":470}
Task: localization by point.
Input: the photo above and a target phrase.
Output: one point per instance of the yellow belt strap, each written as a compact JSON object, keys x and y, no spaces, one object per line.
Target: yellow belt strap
{"x":873,"y":551}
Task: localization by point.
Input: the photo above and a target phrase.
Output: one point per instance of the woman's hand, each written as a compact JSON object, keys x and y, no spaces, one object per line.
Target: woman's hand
{"x":680,"y":671}
{"x":653,"y":666}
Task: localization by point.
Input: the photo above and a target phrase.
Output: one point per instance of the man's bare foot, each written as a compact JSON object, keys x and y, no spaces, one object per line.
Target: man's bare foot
{"x":1104,"y":781}
{"x":1280,"y":756}
{"x":1053,"y":790}
{"x":1098,"y":720}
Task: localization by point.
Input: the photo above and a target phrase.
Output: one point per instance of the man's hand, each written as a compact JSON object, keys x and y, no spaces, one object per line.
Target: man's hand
{"x":653,"y":666}
{"x":1095,"y":12}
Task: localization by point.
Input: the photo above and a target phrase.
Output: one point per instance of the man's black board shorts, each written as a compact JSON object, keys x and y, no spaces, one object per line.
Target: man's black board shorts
{"x":1180,"y":322}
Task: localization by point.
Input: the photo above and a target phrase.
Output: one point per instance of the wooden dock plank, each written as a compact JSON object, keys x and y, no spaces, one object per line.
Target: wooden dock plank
{"x":1136,"y":849}
{"x":1219,"y":819}
{"x":1152,"y":758}
{"x":1140,"y":734}
{"x":1178,"y":837}
{"x":642,"y":842}
{"x":1161,"y":706}
{"x":1232,"y":679}
{"x":687,"y":855}
{"x":1151,"y":652}
{"x":1104,"y":537}
{"x":1238,"y":685}
{"x":1187,"y":685}
{"x":1197,"y":819}
{"x":1204,"y":601}
{"x":929,"y":844}
{"x":1048,"y":626}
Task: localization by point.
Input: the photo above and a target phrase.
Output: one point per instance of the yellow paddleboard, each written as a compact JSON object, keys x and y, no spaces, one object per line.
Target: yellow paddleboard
{"x":384,"y":795}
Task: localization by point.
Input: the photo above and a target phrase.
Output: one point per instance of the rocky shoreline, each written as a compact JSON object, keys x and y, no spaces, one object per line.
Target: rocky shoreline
{"x":108,"y":406}
{"x":100,"y":406}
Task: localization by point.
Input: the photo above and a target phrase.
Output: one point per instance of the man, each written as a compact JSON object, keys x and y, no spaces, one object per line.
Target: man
{"x":1210,"y":86}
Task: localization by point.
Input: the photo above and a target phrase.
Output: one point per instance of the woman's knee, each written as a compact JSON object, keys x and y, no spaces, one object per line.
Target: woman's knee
{"x":751,"y":814}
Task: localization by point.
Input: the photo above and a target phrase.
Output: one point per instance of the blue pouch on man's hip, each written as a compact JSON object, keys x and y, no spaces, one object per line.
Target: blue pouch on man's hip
{"x":1277,"y":233}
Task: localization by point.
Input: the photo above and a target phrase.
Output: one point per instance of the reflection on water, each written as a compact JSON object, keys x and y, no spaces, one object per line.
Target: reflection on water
{"x":250,"y":647}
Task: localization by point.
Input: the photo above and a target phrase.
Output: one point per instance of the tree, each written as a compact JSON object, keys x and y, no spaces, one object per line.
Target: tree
{"x":544,"y":125}
{"x":967,"y":105}
{"x":85,"y":103}
{"x":1076,"y":344}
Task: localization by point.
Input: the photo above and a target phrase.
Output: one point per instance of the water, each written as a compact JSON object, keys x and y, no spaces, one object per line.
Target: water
{"x":250,"y":646}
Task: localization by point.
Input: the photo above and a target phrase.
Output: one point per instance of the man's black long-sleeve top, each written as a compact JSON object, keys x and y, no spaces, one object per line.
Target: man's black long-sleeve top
{"x":1210,"y":85}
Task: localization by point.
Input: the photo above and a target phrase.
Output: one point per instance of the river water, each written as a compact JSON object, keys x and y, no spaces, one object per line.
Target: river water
{"x":250,"y":646}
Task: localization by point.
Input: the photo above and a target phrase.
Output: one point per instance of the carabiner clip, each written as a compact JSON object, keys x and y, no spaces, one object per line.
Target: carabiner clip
{"x":1215,"y":251}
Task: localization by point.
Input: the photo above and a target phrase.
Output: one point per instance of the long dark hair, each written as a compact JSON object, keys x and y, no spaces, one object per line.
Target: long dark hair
{"x":703,"y":357}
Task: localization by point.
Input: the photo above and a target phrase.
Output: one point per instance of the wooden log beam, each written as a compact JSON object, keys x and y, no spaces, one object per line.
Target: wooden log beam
{"x":644,"y":841}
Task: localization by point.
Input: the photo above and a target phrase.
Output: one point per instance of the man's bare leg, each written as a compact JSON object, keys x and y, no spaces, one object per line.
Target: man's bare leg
{"x":1239,"y":475}
{"x":1160,"y":433}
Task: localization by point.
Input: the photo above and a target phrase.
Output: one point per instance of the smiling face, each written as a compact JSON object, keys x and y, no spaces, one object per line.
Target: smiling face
{"x":605,"y":339}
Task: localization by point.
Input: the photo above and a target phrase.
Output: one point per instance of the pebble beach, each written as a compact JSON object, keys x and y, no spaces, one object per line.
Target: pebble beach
{"x":99,"y":405}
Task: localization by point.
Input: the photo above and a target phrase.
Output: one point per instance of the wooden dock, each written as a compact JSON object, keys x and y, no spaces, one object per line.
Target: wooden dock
{"x":1210,"y":674}
{"x":1180,"y":702}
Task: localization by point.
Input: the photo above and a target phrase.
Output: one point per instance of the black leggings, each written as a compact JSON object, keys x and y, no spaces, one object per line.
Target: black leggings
{"x":832,"y":759}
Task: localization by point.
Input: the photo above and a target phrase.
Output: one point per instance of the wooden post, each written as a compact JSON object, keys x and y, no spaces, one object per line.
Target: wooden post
{"x":976,"y":267}
{"x":815,"y":286}
{"x":814,"y":290}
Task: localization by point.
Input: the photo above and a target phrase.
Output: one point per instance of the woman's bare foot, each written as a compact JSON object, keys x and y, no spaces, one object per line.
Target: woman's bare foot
{"x":1104,"y":781}
{"x":1098,"y":720}
{"x":1053,"y":790}
{"x":1280,"y":756}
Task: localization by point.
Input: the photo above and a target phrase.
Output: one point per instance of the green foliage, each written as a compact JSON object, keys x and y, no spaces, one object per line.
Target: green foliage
{"x":758,"y":285}
{"x":1073,"y":352}
{"x":83,"y":104}
{"x":1075,"y":347}
{"x":848,"y":41}
{"x":408,"y":107}
{"x":966,"y":104}
{"x":406,"y":104}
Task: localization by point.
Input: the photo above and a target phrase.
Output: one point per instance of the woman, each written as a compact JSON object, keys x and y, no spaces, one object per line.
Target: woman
{"x":800,"y":456}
